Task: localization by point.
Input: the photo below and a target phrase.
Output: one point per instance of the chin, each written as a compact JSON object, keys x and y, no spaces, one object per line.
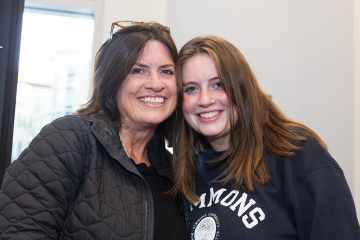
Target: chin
{"x":209,"y":134}
{"x":214,"y":133}
{"x":155,"y":120}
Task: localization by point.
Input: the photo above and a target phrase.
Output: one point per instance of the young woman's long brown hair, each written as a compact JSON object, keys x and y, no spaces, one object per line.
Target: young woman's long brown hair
{"x":260,"y":123}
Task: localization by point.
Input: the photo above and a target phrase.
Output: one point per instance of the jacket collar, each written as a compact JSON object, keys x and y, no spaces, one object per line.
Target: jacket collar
{"x":158,"y":156}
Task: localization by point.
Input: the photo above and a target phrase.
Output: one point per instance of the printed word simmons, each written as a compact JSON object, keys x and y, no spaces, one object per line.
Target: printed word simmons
{"x":233,"y":201}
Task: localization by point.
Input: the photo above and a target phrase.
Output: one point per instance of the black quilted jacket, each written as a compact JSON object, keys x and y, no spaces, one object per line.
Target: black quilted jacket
{"x":75,"y":181}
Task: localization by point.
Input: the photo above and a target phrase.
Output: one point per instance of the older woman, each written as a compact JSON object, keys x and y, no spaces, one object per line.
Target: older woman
{"x":250,"y":172}
{"x":104,"y":172}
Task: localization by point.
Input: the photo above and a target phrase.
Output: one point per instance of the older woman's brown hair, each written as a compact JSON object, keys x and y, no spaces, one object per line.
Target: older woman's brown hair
{"x":261,"y":125}
{"x":113,"y":63}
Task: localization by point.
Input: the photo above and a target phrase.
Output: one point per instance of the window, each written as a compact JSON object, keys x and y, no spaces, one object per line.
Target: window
{"x":54,"y":70}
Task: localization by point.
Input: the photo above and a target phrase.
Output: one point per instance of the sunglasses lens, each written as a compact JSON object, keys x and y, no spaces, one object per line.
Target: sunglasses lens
{"x":124,"y":24}
{"x":128,"y":24}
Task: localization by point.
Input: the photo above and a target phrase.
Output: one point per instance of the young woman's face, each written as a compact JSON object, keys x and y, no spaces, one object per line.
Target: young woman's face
{"x":148,"y":95}
{"x":205,"y":105}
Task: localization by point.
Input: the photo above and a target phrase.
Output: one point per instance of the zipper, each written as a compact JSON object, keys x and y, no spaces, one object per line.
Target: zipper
{"x":123,"y":155}
{"x":146,"y":218}
{"x":147,"y":196}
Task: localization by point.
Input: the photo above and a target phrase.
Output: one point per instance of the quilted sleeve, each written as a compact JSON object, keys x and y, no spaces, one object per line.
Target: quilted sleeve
{"x":40,"y":186}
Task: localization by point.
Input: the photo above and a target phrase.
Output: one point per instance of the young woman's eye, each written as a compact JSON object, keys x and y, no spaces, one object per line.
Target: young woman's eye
{"x":190,"y":89}
{"x":218,"y":85}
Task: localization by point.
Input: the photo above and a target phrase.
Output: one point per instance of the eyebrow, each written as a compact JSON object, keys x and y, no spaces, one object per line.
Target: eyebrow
{"x":167,"y":65}
{"x":141,"y":65}
{"x":211,"y":79}
{"x":146,"y":66}
{"x":184,"y":84}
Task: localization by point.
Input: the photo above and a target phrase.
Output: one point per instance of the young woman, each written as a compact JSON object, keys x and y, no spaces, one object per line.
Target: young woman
{"x":250,"y":172}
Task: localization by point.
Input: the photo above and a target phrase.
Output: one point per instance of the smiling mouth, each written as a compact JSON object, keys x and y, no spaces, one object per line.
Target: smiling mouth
{"x":152,"y":100}
{"x":209,"y":114}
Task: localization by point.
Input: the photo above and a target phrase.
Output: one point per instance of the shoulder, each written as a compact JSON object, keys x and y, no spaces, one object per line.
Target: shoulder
{"x":310,"y":168}
{"x":66,"y":126}
{"x":312,"y":154}
{"x":69,"y":122}
{"x":65,"y":134}
{"x":313,"y":160}
{"x":316,"y":188}
{"x":60,"y":147}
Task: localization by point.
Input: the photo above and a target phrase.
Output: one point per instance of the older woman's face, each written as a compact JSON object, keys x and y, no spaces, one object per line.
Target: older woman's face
{"x":148,"y":95}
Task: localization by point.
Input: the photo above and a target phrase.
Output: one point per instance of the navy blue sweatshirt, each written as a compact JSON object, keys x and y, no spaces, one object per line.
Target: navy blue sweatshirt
{"x":307,"y":198}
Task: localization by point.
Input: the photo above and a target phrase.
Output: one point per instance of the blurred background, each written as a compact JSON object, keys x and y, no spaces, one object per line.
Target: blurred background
{"x":305,"y":54}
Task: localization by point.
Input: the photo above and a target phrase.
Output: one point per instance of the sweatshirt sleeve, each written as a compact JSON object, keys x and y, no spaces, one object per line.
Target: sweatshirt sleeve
{"x":39,"y":187}
{"x":324,"y":208}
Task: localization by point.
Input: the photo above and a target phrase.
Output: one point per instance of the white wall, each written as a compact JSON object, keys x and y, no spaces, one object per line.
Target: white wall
{"x":134,"y":10}
{"x":301,"y":52}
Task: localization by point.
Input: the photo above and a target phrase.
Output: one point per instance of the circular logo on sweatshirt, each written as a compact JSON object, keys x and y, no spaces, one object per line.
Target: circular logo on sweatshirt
{"x":206,"y":228}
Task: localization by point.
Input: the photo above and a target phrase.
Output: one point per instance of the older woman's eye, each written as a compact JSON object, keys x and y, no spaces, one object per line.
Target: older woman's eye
{"x":137,"y":71}
{"x":168,"y":72}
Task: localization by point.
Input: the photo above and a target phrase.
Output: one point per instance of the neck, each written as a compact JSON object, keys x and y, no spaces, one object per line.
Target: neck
{"x":135,"y":141}
{"x":219,"y":145}
{"x":219,"y":148}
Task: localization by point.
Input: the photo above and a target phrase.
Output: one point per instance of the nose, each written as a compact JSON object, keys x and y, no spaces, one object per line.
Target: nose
{"x":154,"y":82}
{"x":206,"y":98}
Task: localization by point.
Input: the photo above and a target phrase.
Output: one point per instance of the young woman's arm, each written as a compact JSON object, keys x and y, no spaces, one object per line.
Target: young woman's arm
{"x":322,"y":203}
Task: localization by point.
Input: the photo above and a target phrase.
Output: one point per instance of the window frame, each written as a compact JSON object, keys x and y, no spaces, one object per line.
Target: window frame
{"x":11,"y":12}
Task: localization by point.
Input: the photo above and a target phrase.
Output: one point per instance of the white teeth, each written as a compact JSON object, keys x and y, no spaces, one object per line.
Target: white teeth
{"x":210,"y":114}
{"x":152,"y":100}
